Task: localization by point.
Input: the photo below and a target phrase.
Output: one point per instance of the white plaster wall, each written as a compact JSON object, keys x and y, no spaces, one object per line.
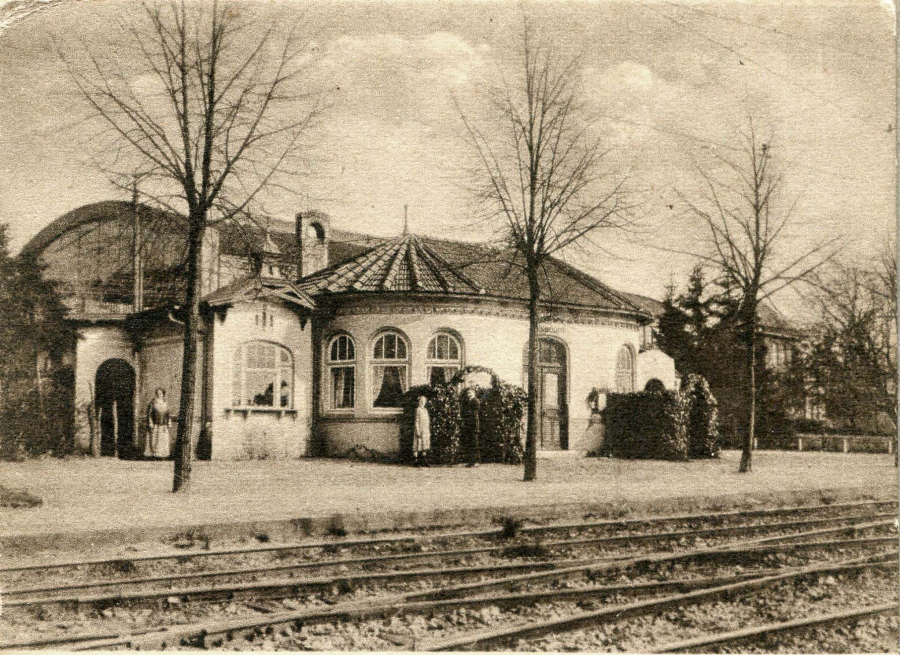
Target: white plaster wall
{"x":260,"y":433}
{"x":656,"y":364}
{"x":161,"y":362}
{"x":95,"y":345}
{"x":497,"y":342}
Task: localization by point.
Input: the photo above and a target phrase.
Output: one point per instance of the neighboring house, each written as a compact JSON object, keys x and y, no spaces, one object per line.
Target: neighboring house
{"x":779,"y":336}
{"x":311,"y":334}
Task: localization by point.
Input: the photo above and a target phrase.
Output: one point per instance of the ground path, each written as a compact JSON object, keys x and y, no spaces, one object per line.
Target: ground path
{"x":84,"y":495}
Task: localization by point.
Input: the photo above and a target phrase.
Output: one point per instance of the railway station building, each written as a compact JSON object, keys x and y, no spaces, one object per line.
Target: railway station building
{"x":311,"y":334}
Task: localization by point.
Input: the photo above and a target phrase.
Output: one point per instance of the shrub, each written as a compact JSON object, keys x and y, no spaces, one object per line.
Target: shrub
{"x":646,"y":425}
{"x":18,"y":498}
{"x":703,"y":417}
{"x":502,"y":411}
{"x":37,"y":422}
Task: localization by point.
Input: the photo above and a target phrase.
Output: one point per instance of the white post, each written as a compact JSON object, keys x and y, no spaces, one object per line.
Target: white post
{"x":115,"y":418}
{"x":799,"y":443}
{"x":846,"y":445}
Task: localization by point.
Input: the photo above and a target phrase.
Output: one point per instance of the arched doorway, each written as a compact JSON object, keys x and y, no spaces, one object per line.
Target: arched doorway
{"x":552,"y":394}
{"x":114,"y":402}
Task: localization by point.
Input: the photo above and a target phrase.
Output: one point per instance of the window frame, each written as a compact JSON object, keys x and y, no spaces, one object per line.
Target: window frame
{"x":434,"y":362}
{"x":331,"y":364}
{"x":632,"y":360}
{"x":240,"y":370}
{"x":405,"y":364}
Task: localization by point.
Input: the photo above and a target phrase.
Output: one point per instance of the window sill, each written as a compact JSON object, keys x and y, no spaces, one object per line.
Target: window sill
{"x":386,"y":411}
{"x":246,"y":411}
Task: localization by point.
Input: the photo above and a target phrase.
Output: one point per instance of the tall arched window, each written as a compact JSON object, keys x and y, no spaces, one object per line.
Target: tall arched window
{"x":444,"y":358}
{"x":625,"y":370}
{"x":342,"y":372}
{"x":390,"y":370}
{"x":263,"y":376}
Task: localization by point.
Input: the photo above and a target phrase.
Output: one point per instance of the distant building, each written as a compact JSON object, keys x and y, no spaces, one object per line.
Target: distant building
{"x":311,"y":334}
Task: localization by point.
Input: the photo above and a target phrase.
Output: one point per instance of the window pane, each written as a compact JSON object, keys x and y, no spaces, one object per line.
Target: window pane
{"x":287,"y":382}
{"x":379,"y":348}
{"x":343,"y":381}
{"x":441,"y":374}
{"x":454,"y":348}
{"x":551,"y":390}
{"x":259,"y":388}
{"x":389,"y":385}
{"x":390,"y":346}
{"x":401,"y":347}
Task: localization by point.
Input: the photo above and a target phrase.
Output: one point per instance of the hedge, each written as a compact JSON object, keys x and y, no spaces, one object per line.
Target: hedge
{"x":646,"y":425}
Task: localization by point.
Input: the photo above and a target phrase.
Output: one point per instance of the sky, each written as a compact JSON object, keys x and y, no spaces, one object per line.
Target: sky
{"x":670,"y":82}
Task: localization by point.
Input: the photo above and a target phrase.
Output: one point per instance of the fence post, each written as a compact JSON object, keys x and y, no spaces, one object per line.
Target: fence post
{"x":846,"y":445}
{"x":799,"y":443}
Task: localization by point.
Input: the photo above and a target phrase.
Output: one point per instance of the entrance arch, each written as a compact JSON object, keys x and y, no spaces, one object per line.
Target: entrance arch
{"x":114,"y":402}
{"x":552,"y":394}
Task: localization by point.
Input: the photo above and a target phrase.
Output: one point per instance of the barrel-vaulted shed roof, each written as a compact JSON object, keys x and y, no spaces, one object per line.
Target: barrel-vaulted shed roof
{"x":363,"y":263}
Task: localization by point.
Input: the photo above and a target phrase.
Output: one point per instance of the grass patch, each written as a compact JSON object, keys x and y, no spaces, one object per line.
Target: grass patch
{"x":509,"y":526}
{"x":18,"y":498}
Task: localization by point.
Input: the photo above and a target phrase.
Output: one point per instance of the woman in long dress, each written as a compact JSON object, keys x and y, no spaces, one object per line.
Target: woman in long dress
{"x":158,"y":420}
{"x":422,"y":434}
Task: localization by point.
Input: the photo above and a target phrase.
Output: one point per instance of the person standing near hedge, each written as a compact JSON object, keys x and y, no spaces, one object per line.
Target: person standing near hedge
{"x":422,"y":433}
{"x":470,"y":411}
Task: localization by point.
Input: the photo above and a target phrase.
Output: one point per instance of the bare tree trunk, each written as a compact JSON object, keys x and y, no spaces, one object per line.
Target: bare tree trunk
{"x":182,"y":477}
{"x":533,"y":409}
{"x":750,"y":434}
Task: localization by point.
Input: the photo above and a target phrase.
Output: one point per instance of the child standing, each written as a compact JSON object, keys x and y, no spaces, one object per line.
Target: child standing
{"x":422,"y":434}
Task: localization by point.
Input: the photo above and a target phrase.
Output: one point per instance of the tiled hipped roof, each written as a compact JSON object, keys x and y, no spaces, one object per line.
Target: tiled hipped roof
{"x":403,"y":264}
{"x":421,"y":264}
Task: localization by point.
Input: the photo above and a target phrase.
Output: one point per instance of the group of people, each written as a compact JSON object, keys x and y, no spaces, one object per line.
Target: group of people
{"x":470,"y":412}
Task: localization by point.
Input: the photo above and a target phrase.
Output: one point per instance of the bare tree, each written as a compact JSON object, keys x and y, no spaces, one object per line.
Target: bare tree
{"x":209,"y":116}
{"x":746,"y":228}
{"x":541,"y":173}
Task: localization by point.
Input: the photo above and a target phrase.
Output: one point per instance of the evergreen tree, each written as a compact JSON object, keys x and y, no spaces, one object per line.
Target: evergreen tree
{"x":35,"y":389}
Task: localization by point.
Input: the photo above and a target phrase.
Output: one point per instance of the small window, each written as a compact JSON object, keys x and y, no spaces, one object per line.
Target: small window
{"x":390,"y":370}
{"x":263,"y":376}
{"x":444,"y":358}
{"x":551,"y":352}
{"x":342,"y":372}
{"x":625,"y":371}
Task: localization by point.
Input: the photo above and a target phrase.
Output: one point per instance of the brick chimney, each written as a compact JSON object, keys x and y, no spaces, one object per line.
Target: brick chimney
{"x":298,"y":237}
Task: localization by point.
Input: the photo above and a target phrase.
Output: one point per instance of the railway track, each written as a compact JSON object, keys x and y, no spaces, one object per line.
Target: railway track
{"x":563,"y":571}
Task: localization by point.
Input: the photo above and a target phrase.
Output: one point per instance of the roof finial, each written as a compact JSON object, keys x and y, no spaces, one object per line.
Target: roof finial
{"x":405,"y":219}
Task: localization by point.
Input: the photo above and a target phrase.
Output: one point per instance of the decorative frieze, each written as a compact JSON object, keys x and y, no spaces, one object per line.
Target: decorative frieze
{"x":494,"y":311}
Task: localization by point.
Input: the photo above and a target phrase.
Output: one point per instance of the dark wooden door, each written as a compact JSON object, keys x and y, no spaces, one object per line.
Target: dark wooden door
{"x":554,"y":414}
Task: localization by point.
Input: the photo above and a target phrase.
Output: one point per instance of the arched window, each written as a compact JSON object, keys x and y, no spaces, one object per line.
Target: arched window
{"x":444,"y":358}
{"x":625,"y":370}
{"x":342,"y":372}
{"x":263,"y":376}
{"x":390,"y":370}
